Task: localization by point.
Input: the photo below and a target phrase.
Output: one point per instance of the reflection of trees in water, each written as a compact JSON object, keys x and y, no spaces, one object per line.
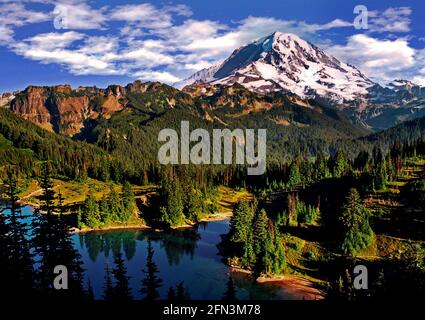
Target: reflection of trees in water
{"x":98,"y":242}
{"x":230,"y":293}
{"x":94,"y":245}
{"x":115,"y":244}
{"x":129,"y":245}
{"x":151,"y":282}
{"x":179,"y":293}
{"x":175,"y":243}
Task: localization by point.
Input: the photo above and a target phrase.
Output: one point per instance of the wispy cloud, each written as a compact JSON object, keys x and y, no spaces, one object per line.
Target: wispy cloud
{"x":15,"y":14}
{"x":78,"y":15}
{"x":166,"y":43}
{"x":53,"y":48}
{"x":390,"y":20}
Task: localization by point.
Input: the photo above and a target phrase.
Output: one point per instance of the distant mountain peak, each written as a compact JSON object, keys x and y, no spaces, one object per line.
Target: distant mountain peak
{"x":286,"y":62}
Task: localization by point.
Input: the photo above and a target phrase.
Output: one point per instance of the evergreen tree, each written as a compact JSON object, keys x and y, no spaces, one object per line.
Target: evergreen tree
{"x":44,"y":240}
{"x":151,"y":282}
{"x":241,"y":222}
{"x":115,"y":206}
{"x":48,"y":195}
{"x":90,"y":212}
{"x":69,"y":257}
{"x":266,"y":260}
{"x":279,"y":263}
{"x":260,"y":231}
{"x":128,"y":202}
{"x":361,"y":160}
{"x":248,"y":258}
{"x":105,"y":215}
{"x":380,"y":175}
{"x":5,"y":265}
{"x":53,"y":245}
{"x":80,"y":223}
{"x":377,"y":156}
{"x":294,"y":175}
{"x":173,"y":203}
{"x":321,"y":167}
{"x":61,"y":206}
{"x":291,"y":201}
{"x":195,"y":205}
{"x":340,"y":164}
{"x":19,"y":256}
{"x":355,"y":222}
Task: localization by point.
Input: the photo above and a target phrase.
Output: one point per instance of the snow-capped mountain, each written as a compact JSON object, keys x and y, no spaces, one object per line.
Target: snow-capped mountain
{"x":204,"y":75}
{"x":285,"y":62}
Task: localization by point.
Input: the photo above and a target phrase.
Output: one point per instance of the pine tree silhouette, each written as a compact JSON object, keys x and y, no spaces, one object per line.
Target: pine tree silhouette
{"x":53,"y":244}
{"x":230,"y":294}
{"x":108,"y":289}
{"x":151,"y":282}
{"x":19,"y":256}
{"x":121,"y":291}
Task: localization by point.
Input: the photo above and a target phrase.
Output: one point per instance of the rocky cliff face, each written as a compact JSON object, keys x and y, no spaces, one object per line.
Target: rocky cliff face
{"x":64,"y":110}
{"x":31,"y":105}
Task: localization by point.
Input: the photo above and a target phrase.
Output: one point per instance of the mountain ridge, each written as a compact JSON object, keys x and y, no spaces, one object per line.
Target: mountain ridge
{"x":284,"y":62}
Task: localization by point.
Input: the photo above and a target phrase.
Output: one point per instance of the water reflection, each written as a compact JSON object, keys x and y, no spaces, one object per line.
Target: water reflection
{"x":175,"y":243}
{"x":175,"y":264}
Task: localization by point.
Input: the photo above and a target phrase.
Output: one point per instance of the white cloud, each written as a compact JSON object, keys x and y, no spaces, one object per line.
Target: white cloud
{"x":53,"y":48}
{"x":139,"y":39}
{"x":145,"y":57}
{"x":161,"y":76}
{"x":51,"y":41}
{"x":148,"y":16}
{"x":337,"y":23}
{"x":390,"y":20}
{"x":15,"y":14}
{"x":99,"y":45}
{"x":78,"y":15}
{"x":378,"y":58}
{"x":145,"y":15}
{"x":6,"y":34}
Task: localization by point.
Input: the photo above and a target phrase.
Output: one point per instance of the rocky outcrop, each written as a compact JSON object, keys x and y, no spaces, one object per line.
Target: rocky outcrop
{"x":31,"y":105}
{"x":64,"y":110}
{"x":5,"y":98}
{"x":71,"y":112}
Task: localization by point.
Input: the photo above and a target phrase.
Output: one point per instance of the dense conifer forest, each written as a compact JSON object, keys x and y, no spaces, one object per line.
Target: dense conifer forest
{"x":323,"y":204}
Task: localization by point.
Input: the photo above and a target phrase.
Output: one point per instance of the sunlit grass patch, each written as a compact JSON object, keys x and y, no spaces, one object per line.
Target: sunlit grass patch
{"x":227,"y":197}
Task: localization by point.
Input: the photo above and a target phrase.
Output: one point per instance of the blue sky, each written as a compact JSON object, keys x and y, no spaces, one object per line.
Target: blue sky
{"x":83,"y":42}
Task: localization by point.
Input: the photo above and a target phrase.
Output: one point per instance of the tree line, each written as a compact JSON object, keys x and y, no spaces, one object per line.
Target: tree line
{"x":32,"y":248}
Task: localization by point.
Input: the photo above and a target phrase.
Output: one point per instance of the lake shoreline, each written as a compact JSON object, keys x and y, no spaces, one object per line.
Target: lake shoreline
{"x":220,"y":216}
{"x":298,"y":287}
